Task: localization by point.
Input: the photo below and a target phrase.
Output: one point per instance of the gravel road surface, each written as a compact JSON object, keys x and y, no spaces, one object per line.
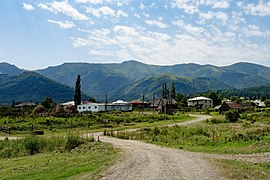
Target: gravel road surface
{"x":143,"y":161}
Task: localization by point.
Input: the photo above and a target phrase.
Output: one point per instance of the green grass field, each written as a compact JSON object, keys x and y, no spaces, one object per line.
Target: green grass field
{"x":86,"y":162}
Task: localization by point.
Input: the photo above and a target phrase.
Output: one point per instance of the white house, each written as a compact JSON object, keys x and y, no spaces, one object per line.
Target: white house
{"x":91,"y":107}
{"x":200,"y":102}
{"x":100,"y":107}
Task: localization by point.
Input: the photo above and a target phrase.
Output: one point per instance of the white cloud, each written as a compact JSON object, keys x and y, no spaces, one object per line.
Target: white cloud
{"x":125,"y":42}
{"x":141,"y":6}
{"x":221,"y":16}
{"x":63,"y":25}
{"x":156,"y":23}
{"x":221,"y":4}
{"x":207,"y":16}
{"x":105,"y":10}
{"x":193,"y":29}
{"x":121,"y":13}
{"x":187,"y":5}
{"x":28,"y":7}
{"x":63,"y":7}
{"x":118,"y":2}
{"x":261,"y":9}
{"x":137,"y":15}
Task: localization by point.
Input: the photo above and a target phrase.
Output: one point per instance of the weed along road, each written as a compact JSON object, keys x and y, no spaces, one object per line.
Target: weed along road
{"x":147,"y":161}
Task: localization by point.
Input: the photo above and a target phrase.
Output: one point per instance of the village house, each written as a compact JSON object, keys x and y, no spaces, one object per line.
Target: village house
{"x":119,"y":105}
{"x":259,"y":103}
{"x":137,"y":103}
{"x":25,"y":105}
{"x":200,"y":103}
{"x":228,"y":105}
{"x":163,"y":105}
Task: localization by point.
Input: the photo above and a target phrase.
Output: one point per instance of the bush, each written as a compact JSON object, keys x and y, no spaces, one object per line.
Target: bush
{"x":34,"y":144}
{"x":73,"y":141}
{"x":232,"y":116}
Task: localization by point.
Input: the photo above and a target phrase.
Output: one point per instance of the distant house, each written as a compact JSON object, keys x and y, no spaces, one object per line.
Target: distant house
{"x":25,"y":105}
{"x":228,"y":106}
{"x":200,"y":103}
{"x":138,"y":103}
{"x":259,"y":103}
{"x":101,"y":107}
{"x":163,"y":105}
{"x":68,"y":103}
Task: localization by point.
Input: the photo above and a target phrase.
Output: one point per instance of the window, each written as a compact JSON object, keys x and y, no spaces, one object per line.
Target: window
{"x":95,"y":107}
{"x":89,"y":107}
{"x":83,"y":107}
{"x":79,"y":107}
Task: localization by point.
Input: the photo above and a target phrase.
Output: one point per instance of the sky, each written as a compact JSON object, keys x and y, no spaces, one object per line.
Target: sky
{"x":41,"y":33}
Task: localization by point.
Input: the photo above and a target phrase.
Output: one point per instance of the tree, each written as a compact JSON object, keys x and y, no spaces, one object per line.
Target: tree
{"x":232,"y":116}
{"x":47,"y":103}
{"x":77,"y":94}
{"x":173,"y":91}
{"x":181,"y":100}
{"x":267,"y":103}
{"x":92,"y":99}
{"x":215,"y":97}
{"x":164,"y":91}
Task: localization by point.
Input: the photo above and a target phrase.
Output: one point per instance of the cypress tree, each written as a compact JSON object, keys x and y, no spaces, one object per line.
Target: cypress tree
{"x":77,"y":94}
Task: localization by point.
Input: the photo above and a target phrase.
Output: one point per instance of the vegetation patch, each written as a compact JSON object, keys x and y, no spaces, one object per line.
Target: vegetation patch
{"x":86,"y":161}
{"x":215,"y":136}
{"x":33,"y":144}
{"x":233,"y":169}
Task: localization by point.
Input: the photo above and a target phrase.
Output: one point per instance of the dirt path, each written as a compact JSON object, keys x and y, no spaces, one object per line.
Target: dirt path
{"x":147,"y":161}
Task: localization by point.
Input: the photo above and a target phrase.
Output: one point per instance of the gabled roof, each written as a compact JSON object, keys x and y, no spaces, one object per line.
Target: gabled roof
{"x":162,"y":102}
{"x":119,"y":102}
{"x":26,"y":104}
{"x":199,"y":98}
{"x":233,"y":105}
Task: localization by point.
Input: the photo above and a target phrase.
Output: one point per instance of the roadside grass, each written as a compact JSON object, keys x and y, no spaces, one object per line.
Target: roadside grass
{"x":234,"y":169}
{"x":90,"y":122}
{"x":213,"y":136}
{"x":87,"y":160}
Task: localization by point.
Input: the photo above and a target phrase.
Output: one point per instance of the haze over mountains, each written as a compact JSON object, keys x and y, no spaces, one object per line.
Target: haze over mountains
{"x":130,"y":79}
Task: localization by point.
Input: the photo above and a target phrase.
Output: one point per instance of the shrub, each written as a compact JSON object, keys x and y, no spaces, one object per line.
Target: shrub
{"x":73,"y":141}
{"x":232,"y":116}
{"x":34,"y":144}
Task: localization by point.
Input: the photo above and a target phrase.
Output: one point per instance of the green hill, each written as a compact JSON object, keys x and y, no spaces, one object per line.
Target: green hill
{"x":252,"y":93}
{"x":249,"y":68}
{"x":99,"y":79}
{"x":30,"y":86}
{"x":153,"y":84}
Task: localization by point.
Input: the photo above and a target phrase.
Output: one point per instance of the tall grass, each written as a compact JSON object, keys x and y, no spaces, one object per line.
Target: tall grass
{"x":207,"y":137}
{"x":33,"y":144}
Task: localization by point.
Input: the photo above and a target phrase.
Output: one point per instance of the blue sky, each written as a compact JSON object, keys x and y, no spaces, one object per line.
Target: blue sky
{"x":41,"y":33}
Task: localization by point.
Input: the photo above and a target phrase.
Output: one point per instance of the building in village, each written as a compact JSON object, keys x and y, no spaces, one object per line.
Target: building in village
{"x":119,"y":105}
{"x":163,"y":105}
{"x":228,"y":105}
{"x":25,"y":105}
{"x":139,"y":104}
{"x":200,"y":103}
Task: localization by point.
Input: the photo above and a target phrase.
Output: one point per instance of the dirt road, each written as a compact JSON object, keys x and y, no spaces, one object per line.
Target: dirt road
{"x":147,"y":161}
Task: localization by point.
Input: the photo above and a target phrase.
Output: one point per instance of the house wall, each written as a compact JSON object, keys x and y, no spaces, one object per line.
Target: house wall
{"x":94,"y":107}
{"x":202,"y":103}
{"x":91,"y":107}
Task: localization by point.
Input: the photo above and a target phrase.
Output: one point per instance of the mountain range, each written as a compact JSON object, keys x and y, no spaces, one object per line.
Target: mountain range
{"x":30,"y":86}
{"x":131,"y":79}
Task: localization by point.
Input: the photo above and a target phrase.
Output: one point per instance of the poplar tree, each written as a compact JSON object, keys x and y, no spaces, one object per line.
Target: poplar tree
{"x":173,"y":91}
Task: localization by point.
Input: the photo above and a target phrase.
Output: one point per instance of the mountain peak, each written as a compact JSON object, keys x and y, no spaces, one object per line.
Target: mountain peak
{"x":12,"y":70}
